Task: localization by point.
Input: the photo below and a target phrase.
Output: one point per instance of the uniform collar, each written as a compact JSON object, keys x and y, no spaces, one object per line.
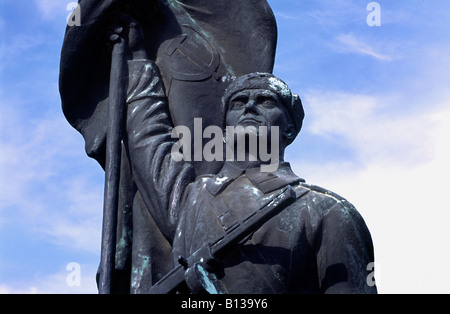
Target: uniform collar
{"x":228,"y":174}
{"x":265,"y":181}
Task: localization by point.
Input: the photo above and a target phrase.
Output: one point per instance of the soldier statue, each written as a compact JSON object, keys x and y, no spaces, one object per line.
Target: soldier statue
{"x":174,"y":61}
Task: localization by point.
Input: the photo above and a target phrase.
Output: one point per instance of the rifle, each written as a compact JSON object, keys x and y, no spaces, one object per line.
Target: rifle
{"x":197,"y":273}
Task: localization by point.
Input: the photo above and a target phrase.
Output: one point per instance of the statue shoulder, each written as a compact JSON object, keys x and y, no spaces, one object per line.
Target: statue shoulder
{"x":322,"y":200}
{"x":324,"y":210}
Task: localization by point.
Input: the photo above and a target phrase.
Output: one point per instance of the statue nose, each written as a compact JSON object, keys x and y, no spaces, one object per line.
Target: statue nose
{"x":250,"y":106}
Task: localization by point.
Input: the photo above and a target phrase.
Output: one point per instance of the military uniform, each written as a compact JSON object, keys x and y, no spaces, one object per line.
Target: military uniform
{"x":319,"y":244}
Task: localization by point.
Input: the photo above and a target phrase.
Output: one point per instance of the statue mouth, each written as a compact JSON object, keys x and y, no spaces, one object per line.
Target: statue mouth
{"x":249,"y":120}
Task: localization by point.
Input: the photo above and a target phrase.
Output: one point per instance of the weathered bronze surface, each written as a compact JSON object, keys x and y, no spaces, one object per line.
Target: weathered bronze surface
{"x":135,"y":71}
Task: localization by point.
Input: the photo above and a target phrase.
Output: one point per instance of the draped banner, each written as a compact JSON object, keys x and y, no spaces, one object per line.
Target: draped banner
{"x":198,"y":45}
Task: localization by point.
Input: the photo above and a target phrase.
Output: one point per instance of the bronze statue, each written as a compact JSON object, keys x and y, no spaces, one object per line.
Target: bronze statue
{"x":180,"y":66}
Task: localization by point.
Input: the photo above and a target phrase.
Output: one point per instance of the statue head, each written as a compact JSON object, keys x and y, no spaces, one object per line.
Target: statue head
{"x":264,"y":99}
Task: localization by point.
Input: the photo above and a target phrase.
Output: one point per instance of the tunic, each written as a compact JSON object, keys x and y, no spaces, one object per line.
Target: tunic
{"x":319,"y":244}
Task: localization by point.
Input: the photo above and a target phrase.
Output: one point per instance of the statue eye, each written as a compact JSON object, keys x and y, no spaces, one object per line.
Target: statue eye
{"x":238,"y":103}
{"x":267,"y":102}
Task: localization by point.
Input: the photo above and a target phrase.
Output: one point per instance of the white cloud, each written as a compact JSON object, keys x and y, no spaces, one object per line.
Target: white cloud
{"x":370,"y":125}
{"x":17,"y":49}
{"x":78,"y":223}
{"x":286,"y":16}
{"x":332,"y":13}
{"x":49,"y":9}
{"x":55,"y":283}
{"x":401,"y":188}
{"x":41,"y":185}
{"x":350,"y":44}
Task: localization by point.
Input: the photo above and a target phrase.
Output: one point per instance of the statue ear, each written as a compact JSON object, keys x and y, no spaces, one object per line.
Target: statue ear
{"x":289,"y":132}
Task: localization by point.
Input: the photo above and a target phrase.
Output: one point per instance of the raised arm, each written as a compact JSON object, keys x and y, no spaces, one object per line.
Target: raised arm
{"x":160,"y":180}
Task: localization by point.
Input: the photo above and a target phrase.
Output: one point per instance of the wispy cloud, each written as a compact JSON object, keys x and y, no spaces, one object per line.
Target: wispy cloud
{"x":399,"y":181}
{"x":49,"y":9}
{"x":350,"y":44}
{"x":335,"y":13}
{"x":40,"y":185}
{"x":79,"y":221}
{"x":18,"y":48}
{"x":54,"y":283}
{"x":286,"y":16}
{"x":370,"y":125}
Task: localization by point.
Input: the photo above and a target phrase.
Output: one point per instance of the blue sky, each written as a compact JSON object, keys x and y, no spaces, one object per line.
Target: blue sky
{"x":377,"y":128}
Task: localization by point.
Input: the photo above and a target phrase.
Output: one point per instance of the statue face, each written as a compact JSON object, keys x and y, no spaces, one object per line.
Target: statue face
{"x":256,"y":107}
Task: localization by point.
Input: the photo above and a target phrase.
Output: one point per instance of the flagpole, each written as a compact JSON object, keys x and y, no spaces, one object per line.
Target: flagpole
{"x":117,"y":98}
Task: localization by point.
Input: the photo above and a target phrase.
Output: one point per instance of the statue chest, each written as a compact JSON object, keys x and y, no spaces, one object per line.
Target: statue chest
{"x":262,"y":262}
